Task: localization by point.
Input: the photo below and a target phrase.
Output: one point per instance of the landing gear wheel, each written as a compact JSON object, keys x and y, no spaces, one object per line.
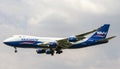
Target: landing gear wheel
{"x":59,"y":52}
{"x":15,"y":49}
{"x":52,"y":52}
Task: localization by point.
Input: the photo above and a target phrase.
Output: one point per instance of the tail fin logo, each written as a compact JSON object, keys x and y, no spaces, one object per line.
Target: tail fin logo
{"x":101,"y":34}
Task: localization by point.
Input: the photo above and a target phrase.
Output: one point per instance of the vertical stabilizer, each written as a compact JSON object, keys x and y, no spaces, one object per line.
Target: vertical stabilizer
{"x":100,"y":33}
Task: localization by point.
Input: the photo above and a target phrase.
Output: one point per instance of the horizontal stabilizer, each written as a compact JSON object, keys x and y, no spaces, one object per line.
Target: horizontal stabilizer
{"x":104,"y":40}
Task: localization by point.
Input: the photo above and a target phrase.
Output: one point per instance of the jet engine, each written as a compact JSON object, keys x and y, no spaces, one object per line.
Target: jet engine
{"x":53,"y":44}
{"x":40,"y":51}
{"x":49,"y":51}
{"x":72,"y":38}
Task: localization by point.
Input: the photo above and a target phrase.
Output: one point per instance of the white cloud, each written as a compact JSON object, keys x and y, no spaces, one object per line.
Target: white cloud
{"x":90,"y":6}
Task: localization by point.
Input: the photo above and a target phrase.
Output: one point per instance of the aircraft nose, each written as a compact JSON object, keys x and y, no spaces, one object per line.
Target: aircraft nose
{"x":7,"y":41}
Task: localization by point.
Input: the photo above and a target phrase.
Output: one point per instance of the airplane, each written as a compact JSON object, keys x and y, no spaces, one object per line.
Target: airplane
{"x":51,"y":46}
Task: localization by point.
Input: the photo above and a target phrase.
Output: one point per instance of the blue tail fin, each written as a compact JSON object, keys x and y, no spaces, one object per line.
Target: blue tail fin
{"x":101,"y":33}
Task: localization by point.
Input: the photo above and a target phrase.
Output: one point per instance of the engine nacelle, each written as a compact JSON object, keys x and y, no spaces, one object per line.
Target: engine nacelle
{"x":48,"y":51}
{"x":72,"y":38}
{"x":52,"y":44}
{"x":40,"y":51}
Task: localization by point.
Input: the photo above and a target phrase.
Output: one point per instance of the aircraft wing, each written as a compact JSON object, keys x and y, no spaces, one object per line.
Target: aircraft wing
{"x":65,"y":43}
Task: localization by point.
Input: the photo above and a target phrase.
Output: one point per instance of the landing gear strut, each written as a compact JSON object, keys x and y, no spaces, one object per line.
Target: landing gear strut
{"x":58,"y":50}
{"x":15,"y":49}
{"x":52,"y":52}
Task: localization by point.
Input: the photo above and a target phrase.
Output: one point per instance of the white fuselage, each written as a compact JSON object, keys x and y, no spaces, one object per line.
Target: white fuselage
{"x":28,"y":40}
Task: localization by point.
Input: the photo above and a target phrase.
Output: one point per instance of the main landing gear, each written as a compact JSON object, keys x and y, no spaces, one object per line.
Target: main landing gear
{"x":52,"y":51}
{"x":15,"y":50}
{"x":59,"y":52}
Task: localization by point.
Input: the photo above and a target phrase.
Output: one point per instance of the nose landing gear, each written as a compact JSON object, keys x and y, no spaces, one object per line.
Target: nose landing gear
{"x":15,"y":50}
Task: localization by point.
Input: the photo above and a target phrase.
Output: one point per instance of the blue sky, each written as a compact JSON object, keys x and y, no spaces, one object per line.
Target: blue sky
{"x":59,"y":19}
